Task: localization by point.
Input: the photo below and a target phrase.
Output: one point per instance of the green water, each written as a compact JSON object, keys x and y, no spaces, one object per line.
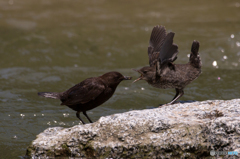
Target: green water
{"x":52,"y":45}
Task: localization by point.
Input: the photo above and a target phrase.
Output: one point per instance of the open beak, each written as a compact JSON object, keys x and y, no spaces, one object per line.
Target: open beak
{"x":127,"y":78}
{"x":134,"y":70}
{"x":139,"y":77}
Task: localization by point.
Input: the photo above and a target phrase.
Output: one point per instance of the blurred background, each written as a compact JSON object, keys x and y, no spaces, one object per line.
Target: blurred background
{"x":53,"y":45}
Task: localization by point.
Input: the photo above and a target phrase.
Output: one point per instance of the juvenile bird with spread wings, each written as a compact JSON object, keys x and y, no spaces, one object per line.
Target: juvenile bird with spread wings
{"x":162,"y":72}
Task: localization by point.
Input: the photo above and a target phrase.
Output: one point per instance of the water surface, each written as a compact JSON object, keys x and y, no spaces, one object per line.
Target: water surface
{"x":52,"y":45}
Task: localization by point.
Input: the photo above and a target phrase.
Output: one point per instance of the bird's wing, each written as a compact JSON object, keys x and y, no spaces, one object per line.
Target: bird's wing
{"x":161,"y":47}
{"x":83,"y":92}
{"x":169,"y":51}
{"x":156,"y":41}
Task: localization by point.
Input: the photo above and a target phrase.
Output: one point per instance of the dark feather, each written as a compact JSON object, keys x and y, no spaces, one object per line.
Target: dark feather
{"x":157,"y":38}
{"x":161,"y":47}
{"x":169,"y":51}
{"x":195,"y":47}
{"x":195,"y":59}
{"x":83,"y":92}
{"x":156,"y":41}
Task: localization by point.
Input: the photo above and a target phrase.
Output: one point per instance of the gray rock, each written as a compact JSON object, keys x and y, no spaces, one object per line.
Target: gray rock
{"x":181,"y":130}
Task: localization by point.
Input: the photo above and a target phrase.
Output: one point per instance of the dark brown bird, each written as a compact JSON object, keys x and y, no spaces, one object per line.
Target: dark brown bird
{"x":88,"y":94}
{"x":162,"y":72}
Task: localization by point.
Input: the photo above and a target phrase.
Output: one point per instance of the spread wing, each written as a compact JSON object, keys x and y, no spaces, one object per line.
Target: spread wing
{"x":161,"y":47}
{"x":83,"y":92}
{"x":169,"y":50}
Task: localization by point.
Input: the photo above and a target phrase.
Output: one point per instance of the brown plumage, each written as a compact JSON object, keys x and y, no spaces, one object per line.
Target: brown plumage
{"x":162,"y":72}
{"x":88,"y":94}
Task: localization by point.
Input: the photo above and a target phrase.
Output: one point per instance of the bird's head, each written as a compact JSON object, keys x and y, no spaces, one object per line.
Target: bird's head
{"x":114,"y":78}
{"x":147,"y":73}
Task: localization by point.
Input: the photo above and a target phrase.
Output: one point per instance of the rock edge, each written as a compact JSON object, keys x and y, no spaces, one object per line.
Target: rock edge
{"x":176,"y":131}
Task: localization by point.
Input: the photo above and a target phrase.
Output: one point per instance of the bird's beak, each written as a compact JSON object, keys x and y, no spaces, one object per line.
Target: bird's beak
{"x":137,"y":79}
{"x":135,"y":70}
{"x":127,"y":78}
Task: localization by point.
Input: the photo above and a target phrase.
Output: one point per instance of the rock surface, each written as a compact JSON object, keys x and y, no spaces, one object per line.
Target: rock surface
{"x":189,"y":130}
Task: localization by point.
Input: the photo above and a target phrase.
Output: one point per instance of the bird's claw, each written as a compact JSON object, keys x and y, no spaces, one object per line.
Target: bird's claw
{"x":161,"y":105}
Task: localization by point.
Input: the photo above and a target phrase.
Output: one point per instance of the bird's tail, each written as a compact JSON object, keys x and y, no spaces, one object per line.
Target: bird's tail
{"x":195,"y":59}
{"x":53,"y":95}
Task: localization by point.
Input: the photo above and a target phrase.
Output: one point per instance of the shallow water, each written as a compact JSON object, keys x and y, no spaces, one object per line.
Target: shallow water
{"x":52,"y":45}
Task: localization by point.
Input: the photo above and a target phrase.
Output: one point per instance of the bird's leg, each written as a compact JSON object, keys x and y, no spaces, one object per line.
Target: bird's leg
{"x":179,"y":93}
{"x":87,"y":117}
{"x":158,"y":68}
{"x":78,"y":116}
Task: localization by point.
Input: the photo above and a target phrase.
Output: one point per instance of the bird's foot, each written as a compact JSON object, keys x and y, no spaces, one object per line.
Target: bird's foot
{"x":161,"y":105}
{"x":177,"y":102}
